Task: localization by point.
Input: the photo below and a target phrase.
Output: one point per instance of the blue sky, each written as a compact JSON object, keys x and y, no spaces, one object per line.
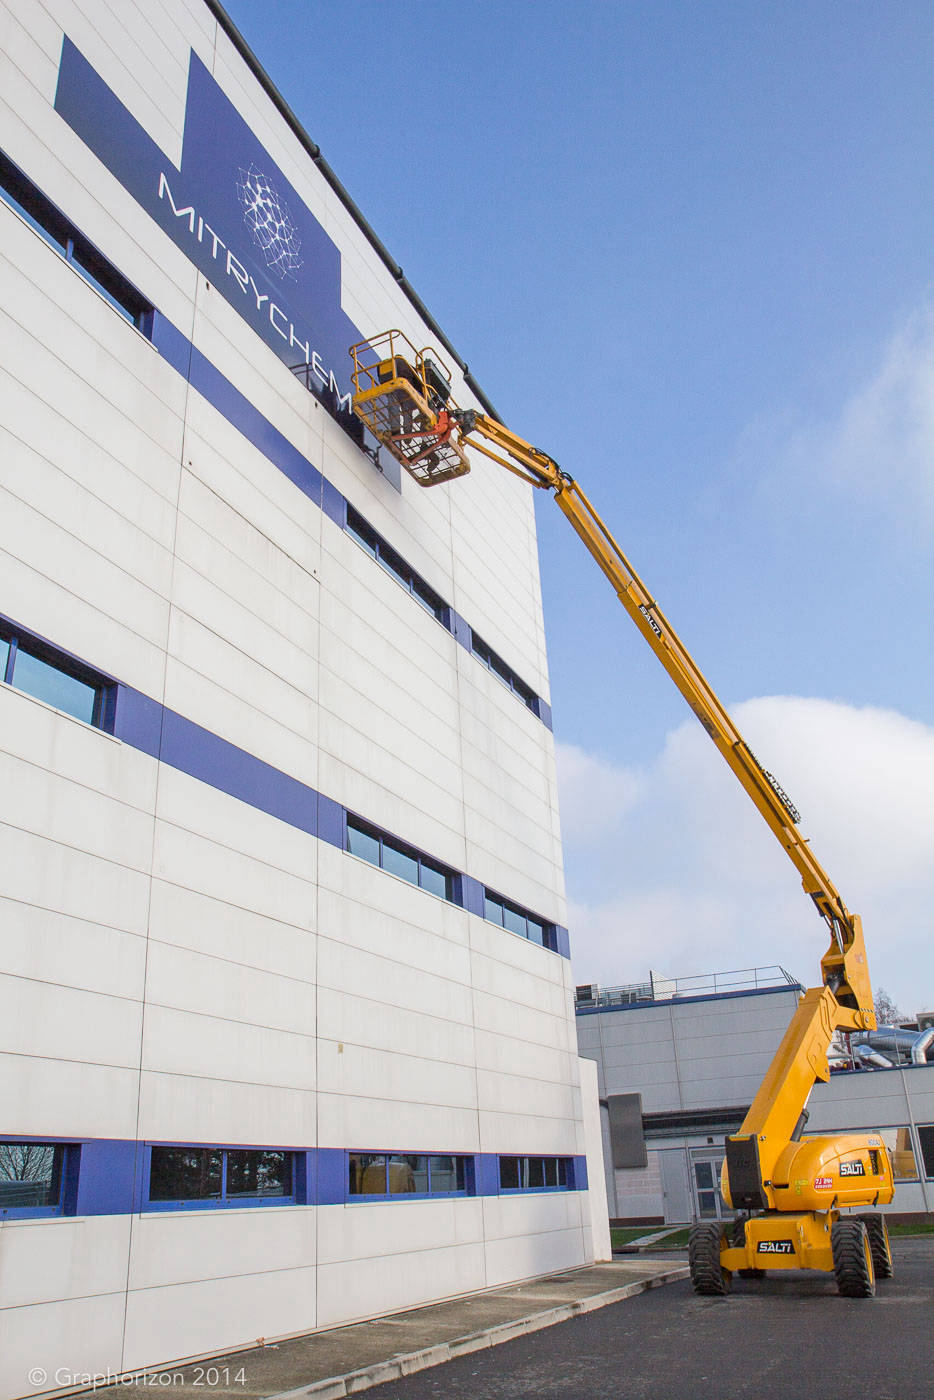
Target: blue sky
{"x":687,"y":249}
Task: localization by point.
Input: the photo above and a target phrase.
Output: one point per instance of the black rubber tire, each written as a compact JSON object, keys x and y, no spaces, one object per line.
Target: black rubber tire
{"x":852,"y":1258}
{"x":738,"y":1240}
{"x":878,"y":1233}
{"x":707,"y":1276}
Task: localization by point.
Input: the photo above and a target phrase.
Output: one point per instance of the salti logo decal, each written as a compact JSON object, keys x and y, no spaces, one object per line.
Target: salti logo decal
{"x":775,"y":1247}
{"x":268,"y":219}
{"x":855,"y":1168}
{"x":823,"y":1183}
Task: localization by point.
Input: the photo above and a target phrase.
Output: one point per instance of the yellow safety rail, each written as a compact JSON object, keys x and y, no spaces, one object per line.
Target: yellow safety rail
{"x":403,"y":396}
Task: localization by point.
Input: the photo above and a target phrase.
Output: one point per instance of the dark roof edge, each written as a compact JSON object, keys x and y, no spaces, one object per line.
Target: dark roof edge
{"x":314,"y":151}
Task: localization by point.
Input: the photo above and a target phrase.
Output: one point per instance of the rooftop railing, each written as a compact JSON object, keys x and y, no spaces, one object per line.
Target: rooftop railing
{"x":659,"y":988}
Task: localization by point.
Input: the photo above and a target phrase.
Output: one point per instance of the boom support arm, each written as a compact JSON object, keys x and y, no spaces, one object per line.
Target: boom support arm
{"x":844,"y":964}
{"x":406,"y":403}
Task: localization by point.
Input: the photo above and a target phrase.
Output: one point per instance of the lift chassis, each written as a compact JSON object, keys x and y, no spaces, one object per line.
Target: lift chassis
{"x":789,"y":1191}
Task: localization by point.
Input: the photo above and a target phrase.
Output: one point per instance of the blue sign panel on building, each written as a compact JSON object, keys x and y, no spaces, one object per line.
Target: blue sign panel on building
{"x":232,"y":211}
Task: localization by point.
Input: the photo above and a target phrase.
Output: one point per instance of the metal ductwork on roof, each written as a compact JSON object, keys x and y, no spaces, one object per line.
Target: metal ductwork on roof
{"x":890,"y":1045}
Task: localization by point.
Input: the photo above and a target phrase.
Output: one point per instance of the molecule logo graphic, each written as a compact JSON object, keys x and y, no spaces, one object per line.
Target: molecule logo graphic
{"x":269,"y":221}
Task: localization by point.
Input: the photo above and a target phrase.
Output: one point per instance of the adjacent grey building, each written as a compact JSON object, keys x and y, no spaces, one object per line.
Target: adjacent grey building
{"x":679,"y":1062}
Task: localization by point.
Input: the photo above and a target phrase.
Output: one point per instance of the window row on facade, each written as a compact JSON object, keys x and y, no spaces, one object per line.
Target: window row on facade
{"x":370,"y":843}
{"x":382,"y":551}
{"x":18,"y":191}
{"x":42,"y":1178}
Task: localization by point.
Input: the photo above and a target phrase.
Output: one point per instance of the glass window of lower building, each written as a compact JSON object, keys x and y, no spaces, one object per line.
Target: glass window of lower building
{"x":901,"y":1151}
{"x":926,"y":1143}
{"x":388,"y":1175}
{"x":191,"y":1176}
{"x":534,"y":1173}
{"x":31,"y":1178}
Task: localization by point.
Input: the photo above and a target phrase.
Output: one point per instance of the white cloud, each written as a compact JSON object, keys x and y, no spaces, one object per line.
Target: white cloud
{"x":879,"y":447}
{"x":595,"y":794}
{"x":686,"y":878}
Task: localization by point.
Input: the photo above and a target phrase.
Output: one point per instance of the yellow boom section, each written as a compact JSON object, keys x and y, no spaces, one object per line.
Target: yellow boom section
{"x":391,"y":376}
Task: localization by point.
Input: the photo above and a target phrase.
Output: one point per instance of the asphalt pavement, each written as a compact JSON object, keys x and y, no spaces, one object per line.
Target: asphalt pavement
{"x":784,"y":1338}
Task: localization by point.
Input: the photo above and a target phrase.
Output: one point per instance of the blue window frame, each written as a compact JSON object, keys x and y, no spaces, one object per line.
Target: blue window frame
{"x":33,"y":666}
{"x":513,"y":917}
{"x":536,"y":1174}
{"x":32,"y":1179}
{"x":506,"y":674}
{"x":199,"y":1178}
{"x":382,"y":551}
{"x":377,"y":847}
{"x":19,"y":192}
{"x":387,"y":1176}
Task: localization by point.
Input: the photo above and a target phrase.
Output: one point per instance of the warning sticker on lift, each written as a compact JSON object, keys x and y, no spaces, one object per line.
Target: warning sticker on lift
{"x":823,"y":1183}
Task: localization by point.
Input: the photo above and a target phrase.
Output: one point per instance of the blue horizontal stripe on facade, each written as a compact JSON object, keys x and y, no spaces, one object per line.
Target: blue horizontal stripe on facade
{"x":108,"y":1176}
{"x":236,"y":408}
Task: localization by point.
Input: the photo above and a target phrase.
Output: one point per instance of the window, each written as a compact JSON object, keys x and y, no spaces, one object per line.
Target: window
{"x":926,"y":1139}
{"x":901,"y":1152}
{"x":191,"y":1176}
{"x":388,"y":1175}
{"x":41,"y":214}
{"x":373,"y":845}
{"x":39,"y":670}
{"x":535,"y":1174}
{"x":31,"y":1178}
{"x":505,"y":673}
{"x":518,"y":920}
{"x":362,"y":531}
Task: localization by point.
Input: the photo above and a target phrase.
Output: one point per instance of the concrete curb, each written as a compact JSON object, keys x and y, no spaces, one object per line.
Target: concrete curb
{"x":407,"y":1363}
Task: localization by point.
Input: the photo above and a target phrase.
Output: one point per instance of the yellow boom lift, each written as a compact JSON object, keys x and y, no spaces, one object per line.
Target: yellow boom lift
{"x":788,"y":1191}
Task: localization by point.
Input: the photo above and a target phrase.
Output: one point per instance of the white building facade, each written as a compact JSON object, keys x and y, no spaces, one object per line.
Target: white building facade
{"x":287,"y":1033}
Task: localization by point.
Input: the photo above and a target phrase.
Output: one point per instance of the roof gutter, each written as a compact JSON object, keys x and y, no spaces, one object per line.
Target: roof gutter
{"x":314,"y":151}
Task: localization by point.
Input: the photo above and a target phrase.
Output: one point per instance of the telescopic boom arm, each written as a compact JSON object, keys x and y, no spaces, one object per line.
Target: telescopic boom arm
{"x":792,"y":1188}
{"x":403,"y":395}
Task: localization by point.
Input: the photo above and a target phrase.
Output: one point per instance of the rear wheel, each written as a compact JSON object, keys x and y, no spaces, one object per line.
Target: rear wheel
{"x":852,"y":1258}
{"x":879,"y":1246}
{"x":738,"y":1241}
{"x":707,"y":1275}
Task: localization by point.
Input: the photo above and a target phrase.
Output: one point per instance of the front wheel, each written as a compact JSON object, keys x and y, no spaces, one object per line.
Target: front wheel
{"x":708,"y":1277}
{"x":852,"y":1258}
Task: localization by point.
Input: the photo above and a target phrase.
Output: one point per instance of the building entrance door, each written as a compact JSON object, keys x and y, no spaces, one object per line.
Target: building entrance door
{"x":709,"y":1204}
